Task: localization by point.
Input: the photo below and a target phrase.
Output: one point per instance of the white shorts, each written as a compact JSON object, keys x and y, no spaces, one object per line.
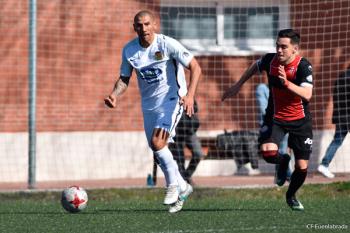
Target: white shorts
{"x":167,"y":116}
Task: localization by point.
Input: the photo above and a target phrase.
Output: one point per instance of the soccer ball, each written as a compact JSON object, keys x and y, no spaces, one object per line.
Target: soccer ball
{"x":74,"y":199}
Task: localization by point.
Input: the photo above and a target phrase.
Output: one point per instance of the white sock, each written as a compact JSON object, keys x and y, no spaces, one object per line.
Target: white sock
{"x":165,"y":173}
{"x":180,"y":180}
{"x":167,"y":165}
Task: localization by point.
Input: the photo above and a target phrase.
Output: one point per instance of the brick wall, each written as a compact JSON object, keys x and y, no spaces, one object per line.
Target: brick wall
{"x":79,"y":46}
{"x":325,"y":27}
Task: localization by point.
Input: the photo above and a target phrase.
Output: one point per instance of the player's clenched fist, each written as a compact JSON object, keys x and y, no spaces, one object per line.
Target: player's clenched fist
{"x":111,"y":101}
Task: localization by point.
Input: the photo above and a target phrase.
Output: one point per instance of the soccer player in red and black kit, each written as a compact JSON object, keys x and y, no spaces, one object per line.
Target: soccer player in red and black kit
{"x":290,"y":83}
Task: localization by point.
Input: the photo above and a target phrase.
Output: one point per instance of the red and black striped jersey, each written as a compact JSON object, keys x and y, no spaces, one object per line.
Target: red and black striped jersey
{"x":287,"y":106}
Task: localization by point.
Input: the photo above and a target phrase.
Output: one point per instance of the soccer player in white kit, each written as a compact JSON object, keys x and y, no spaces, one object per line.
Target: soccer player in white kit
{"x":158,"y":61}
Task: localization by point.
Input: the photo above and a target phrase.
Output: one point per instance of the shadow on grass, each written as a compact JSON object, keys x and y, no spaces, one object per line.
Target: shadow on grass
{"x":143,"y":210}
{"x":188,"y":210}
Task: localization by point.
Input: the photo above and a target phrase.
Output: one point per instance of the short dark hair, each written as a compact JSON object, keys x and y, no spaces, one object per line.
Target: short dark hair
{"x":291,"y":34}
{"x":143,"y":13}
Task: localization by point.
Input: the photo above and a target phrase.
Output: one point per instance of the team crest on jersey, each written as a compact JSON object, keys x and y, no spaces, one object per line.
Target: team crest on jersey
{"x":291,"y":71}
{"x":158,"y":55}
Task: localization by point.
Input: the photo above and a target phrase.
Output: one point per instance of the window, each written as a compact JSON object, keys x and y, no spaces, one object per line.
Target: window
{"x":242,"y":27}
{"x":189,"y":23}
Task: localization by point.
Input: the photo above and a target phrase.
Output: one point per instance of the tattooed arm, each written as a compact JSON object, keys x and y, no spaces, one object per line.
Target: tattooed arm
{"x":119,"y":88}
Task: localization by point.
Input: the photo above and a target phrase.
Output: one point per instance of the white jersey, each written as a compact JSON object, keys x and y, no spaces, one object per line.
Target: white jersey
{"x":159,"y":69}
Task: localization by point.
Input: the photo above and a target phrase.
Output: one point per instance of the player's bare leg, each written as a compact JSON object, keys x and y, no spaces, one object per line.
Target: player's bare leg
{"x":271,"y":155}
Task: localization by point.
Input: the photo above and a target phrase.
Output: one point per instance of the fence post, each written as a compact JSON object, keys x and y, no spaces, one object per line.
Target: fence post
{"x":32,"y":96}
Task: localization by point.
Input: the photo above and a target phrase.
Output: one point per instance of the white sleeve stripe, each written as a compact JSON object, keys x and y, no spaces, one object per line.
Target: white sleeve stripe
{"x":305,"y":84}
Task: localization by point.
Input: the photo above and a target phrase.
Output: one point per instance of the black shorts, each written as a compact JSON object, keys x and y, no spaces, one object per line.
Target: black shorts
{"x":300,"y":136}
{"x":264,"y":134}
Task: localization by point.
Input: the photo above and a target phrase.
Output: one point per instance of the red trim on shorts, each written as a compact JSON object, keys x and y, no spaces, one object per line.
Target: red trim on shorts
{"x":269,"y":153}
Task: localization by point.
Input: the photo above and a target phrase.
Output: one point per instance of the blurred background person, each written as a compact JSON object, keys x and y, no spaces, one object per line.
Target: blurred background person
{"x":341,"y":119}
{"x":186,"y":136}
{"x":262,"y":98}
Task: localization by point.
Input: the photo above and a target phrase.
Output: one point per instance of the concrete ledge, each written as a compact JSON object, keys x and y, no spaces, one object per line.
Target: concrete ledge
{"x":116,"y":155}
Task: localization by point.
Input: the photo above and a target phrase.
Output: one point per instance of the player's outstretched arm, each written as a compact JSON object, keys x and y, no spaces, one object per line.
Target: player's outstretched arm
{"x":195,"y":75}
{"x":237,"y":86}
{"x":119,"y":88}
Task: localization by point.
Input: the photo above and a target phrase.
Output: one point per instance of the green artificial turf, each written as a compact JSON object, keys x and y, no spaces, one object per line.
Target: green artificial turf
{"x":208,"y":210}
